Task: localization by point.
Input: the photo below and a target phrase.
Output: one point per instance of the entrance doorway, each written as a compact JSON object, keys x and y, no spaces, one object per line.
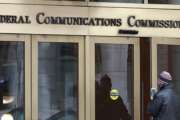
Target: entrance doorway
{"x":157,"y":55}
{"x":58,"y":78}
{"x":115,"y":82}
{"x":15,"y":77}
{"x":166,"y":56}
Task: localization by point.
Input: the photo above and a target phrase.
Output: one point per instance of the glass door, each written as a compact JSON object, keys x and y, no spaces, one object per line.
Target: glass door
{"x":165,"y":57}
{"x":115,"y":80}
{"x":15,"y":89}
{"x":58,"y":75}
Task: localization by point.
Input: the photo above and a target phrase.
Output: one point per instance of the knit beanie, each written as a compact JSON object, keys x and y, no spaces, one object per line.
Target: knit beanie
{"x":165,"y":77}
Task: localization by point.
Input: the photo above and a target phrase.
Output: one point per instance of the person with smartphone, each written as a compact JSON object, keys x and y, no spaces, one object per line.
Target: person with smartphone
{"x":165,"y":104}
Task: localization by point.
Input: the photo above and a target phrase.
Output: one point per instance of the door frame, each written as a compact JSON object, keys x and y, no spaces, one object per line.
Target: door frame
{"x":91,"y":86}
{"x":59,"y":39}
{"x":154,"y":43}
{"x":27,"y":70}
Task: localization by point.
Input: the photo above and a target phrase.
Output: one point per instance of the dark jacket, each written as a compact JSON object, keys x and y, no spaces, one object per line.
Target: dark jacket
{"x":112,"y":110}
{"x":165,"y":105}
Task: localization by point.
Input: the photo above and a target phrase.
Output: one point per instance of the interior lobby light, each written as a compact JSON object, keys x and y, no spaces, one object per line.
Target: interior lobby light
{"x":7,"y":116}
{"x":8,"y":99}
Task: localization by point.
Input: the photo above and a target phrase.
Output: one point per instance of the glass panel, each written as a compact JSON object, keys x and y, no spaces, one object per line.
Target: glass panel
{"x":169,"y":60}
{"x":11,"y":80}
{"x":164,"y":1}
{"x":58,"y":81}
{"x":114,"y":81}
{"x":120,"y":1}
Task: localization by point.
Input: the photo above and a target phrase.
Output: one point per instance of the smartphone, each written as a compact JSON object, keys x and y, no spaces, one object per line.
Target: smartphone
{"x":153,"y":92}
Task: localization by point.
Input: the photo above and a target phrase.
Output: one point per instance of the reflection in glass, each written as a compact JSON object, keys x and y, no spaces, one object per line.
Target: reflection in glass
{"x":114,"y":81}
{"x":12,"y":80}
{"x":164,"y":1}
{"x":169,"y":60}
{"x":58,"y":81}
{"x":120,"y":1}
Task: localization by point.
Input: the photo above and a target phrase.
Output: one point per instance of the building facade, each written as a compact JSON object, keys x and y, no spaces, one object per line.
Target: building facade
{"x":85,"y":60}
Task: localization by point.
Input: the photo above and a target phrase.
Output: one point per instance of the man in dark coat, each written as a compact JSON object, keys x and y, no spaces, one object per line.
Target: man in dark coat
{"x":166,"y":102}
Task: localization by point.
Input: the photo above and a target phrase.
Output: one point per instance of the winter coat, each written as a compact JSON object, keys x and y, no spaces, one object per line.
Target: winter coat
{"x":112,"y":110}
{"x":165,"y":105}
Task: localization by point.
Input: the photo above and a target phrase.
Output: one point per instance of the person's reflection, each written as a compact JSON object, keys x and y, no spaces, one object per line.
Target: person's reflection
{"x":106,"y":108}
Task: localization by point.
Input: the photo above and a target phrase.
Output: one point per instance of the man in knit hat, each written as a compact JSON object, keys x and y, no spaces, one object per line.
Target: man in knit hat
{"x":164,"y":78}
{"x":166,"y":102}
